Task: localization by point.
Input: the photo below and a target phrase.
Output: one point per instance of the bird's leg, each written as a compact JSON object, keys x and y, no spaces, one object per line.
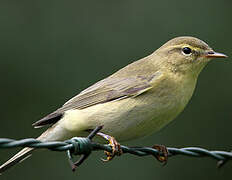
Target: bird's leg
{"x":163,"y":150}
{"x":116,"y":149}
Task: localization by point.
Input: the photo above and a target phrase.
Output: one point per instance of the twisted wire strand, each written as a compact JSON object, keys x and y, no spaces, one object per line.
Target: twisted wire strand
{"x":79,"y":145}
{"x":84,"y":146}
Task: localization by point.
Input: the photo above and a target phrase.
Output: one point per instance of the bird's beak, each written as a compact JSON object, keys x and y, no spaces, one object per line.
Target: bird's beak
{"x":212,"y":54}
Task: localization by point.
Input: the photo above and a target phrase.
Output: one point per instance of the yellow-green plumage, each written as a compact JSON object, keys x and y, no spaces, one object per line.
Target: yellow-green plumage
{"x":135,"y":101}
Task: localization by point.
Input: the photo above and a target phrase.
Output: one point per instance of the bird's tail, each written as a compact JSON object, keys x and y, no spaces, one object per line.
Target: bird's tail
{"x":20,"y":156}
{"x":49,"y":135}
{"x":17,"y":158}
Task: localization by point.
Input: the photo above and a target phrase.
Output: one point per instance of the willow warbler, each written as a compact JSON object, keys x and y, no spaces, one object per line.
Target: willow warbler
{"x":135,"y":101}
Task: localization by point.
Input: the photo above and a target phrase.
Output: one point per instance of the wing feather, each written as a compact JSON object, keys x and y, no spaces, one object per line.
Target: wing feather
{"x":106,"y":90}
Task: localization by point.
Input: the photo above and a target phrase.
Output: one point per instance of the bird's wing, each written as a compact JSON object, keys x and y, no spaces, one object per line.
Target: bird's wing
{"x":106,"y":90}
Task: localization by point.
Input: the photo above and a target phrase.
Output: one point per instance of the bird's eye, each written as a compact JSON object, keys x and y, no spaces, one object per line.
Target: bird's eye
{"x":186,"y":51}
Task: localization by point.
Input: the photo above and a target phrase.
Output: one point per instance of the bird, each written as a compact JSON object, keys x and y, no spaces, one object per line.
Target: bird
{"x":133,"y":102}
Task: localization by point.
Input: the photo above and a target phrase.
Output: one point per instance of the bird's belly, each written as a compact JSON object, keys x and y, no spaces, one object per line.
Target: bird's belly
{"x":124,"y":119}
{"x":137,"y":120}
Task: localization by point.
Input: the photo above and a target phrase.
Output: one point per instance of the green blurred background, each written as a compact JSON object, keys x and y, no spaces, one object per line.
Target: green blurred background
{"x":50,"y":50}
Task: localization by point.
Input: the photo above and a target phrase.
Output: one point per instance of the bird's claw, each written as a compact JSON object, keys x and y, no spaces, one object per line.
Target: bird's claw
{"x":164,"y":151}
{"x":116,"y":150}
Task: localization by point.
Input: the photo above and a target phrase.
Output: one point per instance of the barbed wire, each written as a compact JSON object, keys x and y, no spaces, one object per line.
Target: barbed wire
{"x":84,"y":146}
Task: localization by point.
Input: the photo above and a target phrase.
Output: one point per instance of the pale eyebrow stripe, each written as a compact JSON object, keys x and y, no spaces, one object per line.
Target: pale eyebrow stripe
{"x":180,"y":46}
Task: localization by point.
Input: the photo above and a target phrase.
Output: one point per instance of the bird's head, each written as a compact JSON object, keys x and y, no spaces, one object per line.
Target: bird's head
{"x":187,"y":54}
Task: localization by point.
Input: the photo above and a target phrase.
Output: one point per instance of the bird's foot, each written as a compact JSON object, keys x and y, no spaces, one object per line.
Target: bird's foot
{"x":164,"y":153}
{"x":116,"y":149}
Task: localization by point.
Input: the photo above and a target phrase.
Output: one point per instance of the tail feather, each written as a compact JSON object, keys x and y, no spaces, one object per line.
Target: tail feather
{"x":19,"y":157}
{"x":52,"y":134}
